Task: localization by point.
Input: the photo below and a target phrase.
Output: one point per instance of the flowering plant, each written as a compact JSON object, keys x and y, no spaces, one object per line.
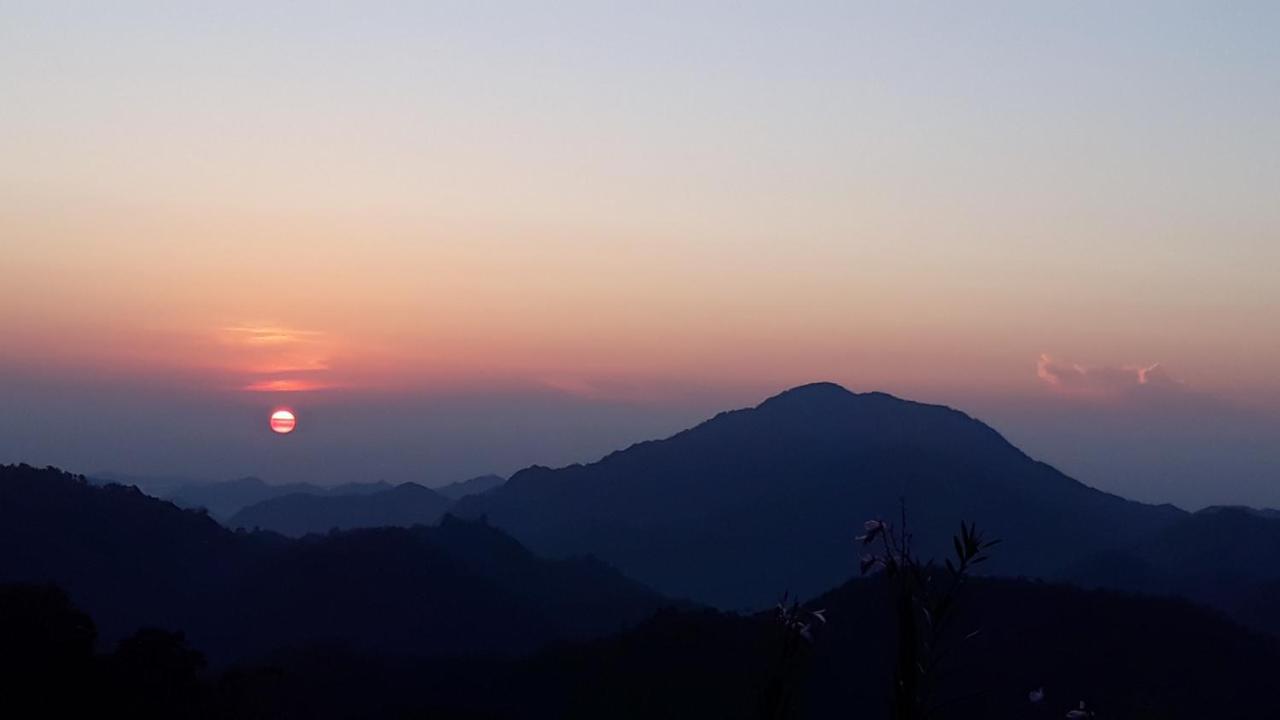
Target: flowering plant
{"x":924,"y":603}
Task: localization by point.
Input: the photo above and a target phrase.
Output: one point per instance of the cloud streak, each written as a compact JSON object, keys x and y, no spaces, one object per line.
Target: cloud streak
{"x":1102,"y":381}
{"x":285,"y":385}
{"x":272,"y":356}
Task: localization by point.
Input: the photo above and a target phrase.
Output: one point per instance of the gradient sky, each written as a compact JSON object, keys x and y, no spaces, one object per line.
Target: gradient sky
{"x":465,"y":237}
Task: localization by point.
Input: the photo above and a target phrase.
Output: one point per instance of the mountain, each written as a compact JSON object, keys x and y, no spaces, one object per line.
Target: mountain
{"x":1269,"y":513}
{"x":759,"y":501}
{"x":460,"y":588}
{"x":473,"y":486}
{"x":224,"y":499}
{"x":1226,"y":557}
{"x":298,"y":514}
{"x":129,"y":559}
{"x":153,"y":485}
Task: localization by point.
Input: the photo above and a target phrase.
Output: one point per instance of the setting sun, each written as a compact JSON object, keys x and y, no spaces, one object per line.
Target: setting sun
{"x":283,"y":422}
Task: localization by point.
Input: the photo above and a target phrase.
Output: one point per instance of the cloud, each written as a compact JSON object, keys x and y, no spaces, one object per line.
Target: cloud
{"x":272,"y":356}
{"x":286,"y":385}
{"x":267,"y":335}
{"x":1103,"y":380}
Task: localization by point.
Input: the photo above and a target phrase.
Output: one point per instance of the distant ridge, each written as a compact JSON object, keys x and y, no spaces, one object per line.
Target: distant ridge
{"x":223,"y":498}
{"x":473,"y":486}
{"x":1268,"y":513}
{"x":295,"y":515}
{"x":1226,"y":557}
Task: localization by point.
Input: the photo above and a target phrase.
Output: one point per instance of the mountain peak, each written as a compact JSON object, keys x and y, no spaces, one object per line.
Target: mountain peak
{"x":827,"y":396}
{"x":813,"y":390}
{"x":796,"y":471}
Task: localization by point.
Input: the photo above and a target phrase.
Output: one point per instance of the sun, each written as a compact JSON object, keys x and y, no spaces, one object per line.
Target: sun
{"x":283,"y":422}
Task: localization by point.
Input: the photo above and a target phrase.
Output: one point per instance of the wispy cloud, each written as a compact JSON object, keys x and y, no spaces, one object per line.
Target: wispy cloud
{"x":1102,"y":380}
{"x":273,"y":357}
{"x":285,"y":385}
{"x":268,"y":335}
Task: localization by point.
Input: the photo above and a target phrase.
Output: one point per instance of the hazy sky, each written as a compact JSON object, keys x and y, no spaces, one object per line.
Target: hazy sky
{"x":463,"y":237}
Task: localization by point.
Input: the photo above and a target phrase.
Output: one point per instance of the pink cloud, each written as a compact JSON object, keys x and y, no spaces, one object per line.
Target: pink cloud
{"x":1102,"y":380}
{"x":286,"y":385}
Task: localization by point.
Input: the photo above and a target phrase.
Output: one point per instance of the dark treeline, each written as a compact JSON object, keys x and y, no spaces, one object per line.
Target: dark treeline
{"x":1125,"y":656}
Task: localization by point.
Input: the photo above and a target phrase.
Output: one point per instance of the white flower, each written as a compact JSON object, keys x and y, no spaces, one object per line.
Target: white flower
{"x":1036,"y":695}
{"x":821,"y":615}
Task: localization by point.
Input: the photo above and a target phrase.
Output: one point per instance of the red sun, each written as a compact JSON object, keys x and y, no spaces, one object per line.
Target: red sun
{"x":283,"y":421}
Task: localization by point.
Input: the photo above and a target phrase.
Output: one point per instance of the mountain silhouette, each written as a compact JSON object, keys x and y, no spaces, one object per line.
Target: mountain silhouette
{"x":1226,"y":557}
{"x":473,"y":486}
{"x":758,"y":501}
{"x":461,"y":587}
{"x":224,"y":499}
{"x":300,"y":513}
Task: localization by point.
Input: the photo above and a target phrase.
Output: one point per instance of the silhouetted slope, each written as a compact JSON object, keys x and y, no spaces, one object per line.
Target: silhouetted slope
{"x":128,"y":558}
{"x":757,"y":501}
{"x":132,"y":561}
{"x":1225,"y":557}
{"x":474,"y":486}
{"x":460,"y":589}
{"x":298,"y":514}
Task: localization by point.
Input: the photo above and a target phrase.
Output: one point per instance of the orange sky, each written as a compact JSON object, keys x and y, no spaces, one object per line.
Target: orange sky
{"x":344,"y":300}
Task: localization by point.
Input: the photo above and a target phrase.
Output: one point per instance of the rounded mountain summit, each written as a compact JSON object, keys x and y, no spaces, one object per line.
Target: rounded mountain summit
{"x":762,"y":500}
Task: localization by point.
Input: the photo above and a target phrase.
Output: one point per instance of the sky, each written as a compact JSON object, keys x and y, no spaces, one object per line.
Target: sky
{"x":460,"y":238}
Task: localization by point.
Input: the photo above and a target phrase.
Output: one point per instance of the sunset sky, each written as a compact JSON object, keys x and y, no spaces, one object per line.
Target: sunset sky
{"x":465,"y":237}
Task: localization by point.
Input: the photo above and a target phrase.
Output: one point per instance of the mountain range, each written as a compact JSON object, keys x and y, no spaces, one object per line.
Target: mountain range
{"x":224,"y":499}
{"x":531,"y":598}
{"x":1228,"y":558}
{"x":455,"y":588}
{"x":370,"y":505}
{"x":297,"y":514}
{"x":473,"y":486}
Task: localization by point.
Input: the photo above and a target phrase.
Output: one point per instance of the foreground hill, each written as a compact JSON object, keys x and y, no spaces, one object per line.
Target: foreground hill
{"x":459,"y":588}
{"x":300,"y":513}
{"x":757,"y":501}
{"x":1125,"y":656}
